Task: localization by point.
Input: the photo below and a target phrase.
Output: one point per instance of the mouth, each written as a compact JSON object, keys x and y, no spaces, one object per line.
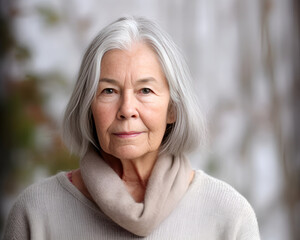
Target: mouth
{"x":127,"y":134}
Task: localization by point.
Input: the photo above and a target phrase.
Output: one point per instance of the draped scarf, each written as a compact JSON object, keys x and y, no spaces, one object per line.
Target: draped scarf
{"x":168,"y":182}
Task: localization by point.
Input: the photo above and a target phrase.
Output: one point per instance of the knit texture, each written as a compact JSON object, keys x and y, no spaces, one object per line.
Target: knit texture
{"x":56,"y":209}
{"x":167,"y":184}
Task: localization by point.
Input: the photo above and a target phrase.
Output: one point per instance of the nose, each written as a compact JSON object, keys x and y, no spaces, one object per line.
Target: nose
{"x":128,"y":107}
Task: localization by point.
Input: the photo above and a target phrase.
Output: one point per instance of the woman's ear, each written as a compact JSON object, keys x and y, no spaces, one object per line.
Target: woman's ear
{"x":171,"y":117}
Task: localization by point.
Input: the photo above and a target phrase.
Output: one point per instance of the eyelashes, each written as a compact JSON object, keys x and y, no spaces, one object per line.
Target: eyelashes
{"x":111,"y":91}
{"x":146,"y":91}
{"x":108,"y":91}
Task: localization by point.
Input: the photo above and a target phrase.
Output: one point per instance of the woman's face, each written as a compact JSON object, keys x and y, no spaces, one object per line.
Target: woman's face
{"x":130,"y":109}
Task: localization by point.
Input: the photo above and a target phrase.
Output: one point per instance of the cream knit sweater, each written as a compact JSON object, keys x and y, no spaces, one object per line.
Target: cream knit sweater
{"x":55,"y":209}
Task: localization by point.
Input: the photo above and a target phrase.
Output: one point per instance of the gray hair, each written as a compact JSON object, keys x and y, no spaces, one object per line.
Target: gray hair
{"x":183,"y":135}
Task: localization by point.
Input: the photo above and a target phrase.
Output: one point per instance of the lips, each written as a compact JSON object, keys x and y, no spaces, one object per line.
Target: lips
{"x":131,"y":134}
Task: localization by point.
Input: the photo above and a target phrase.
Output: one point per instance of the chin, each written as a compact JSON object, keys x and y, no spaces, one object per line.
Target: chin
{"x":129,"y":152}
{"x":128,"y":155}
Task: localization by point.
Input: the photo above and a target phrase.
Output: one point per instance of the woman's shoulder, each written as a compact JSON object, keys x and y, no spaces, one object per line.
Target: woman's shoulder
{"x":215,"y":185}
{"x":50,"y":193}
{"x":43,"y":189}
{"x":31,"y":207}
{"x":217,"y":202}
{"x":220,"y":194}
{"x":42,"y":185}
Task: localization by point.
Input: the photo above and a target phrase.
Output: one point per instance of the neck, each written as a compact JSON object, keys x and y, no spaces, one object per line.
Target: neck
{"x":135,"y":178}
{"x":134,"y":172}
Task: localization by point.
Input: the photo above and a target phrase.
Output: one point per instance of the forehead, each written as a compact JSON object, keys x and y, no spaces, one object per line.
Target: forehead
{"x":139,"y":58}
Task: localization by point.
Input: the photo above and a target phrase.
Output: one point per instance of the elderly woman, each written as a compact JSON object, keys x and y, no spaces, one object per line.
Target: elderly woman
{"x":131,"y":118}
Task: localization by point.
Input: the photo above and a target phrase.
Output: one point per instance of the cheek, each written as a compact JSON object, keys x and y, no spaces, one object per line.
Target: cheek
{"x":157,"y":119}
{"x":103,"y":116}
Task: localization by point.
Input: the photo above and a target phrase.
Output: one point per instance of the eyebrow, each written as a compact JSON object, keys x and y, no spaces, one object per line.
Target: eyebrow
{"x":113,"y":81}
{"x":146,"y":80}
{"x":108,"y":80}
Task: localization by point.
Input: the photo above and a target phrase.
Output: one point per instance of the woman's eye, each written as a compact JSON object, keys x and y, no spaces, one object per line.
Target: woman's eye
{"x":108,"y":91}
{"x":146,"y":91}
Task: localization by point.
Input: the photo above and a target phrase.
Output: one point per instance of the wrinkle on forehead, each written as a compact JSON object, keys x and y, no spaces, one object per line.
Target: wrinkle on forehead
{"x":139,"y":63}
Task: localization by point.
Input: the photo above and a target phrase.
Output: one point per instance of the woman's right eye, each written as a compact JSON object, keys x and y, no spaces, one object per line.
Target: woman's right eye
{"x":108,"y":91}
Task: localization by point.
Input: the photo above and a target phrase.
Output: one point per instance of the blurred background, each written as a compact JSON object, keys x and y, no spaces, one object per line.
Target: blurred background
{"x":244,"y":59}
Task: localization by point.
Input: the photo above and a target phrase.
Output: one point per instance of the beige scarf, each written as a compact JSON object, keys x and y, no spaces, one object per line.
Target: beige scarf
{"x":167,"y":184}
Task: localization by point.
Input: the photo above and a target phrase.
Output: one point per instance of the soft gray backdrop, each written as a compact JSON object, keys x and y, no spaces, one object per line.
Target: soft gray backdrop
{"x":242,"y":57}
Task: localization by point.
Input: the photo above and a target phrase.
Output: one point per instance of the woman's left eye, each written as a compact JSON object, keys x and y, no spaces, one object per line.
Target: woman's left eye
{"x":146,"y":91}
